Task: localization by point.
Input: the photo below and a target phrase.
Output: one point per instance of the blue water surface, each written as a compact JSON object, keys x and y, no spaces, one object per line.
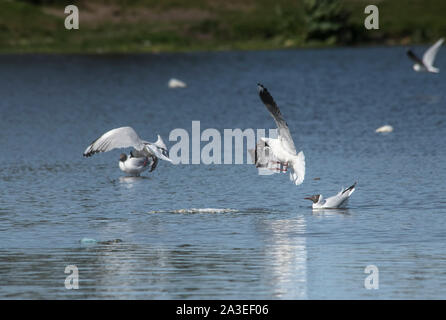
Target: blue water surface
{"x":223,"y":231}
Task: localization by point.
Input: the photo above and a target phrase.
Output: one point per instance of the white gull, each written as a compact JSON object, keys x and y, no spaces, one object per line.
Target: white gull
{"x":337,"y":201}
{"x":426,"y":64}
{"x":282,"y":149}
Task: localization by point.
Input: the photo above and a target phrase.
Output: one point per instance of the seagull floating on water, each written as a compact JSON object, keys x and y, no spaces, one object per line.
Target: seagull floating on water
{"x":427,"y":63}
{"x":280,"y":151}
{"x":135,"y":166}
{"x":144,"y":156}
{"x":383,"y":129}
{"x":175,"y":83}
{"x":336,"y":201}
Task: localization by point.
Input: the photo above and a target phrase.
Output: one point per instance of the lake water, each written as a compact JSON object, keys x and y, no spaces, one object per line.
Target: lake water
{"x":223,"y":231}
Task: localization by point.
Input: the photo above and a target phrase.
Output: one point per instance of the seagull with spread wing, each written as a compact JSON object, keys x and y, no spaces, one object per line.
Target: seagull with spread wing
{"x":426,"y":64}
{"x":282,"y":149}
{"x":144,"y":155}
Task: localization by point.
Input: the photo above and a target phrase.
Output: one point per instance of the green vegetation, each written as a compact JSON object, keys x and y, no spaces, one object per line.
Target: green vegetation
{"x":186,"y":25}
{"x":327,"y":20}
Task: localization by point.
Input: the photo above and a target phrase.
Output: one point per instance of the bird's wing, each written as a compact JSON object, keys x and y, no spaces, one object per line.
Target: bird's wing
{"x":335,"y":201}
{"x":162,"y":146}
{"x":284,"y":132}
{"x":123,"y":137}
{"x":298,"y":169}
{"x":414,"y":57}
{"x":160,"y":143}
{"x":349,"y":190}
{"x":341,"y":198}
{"x":157,"y":149}
{"x":429,"y":55}
{"x":153,"y":150}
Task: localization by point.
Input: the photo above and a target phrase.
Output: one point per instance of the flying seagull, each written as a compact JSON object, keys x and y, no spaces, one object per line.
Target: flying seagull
{"x":427,"y":63}
{"x":337,"y":201}
{"x":144,"y":154}
{"x":282,"y":149}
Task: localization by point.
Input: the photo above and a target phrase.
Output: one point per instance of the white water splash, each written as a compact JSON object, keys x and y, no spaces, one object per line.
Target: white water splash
{"x":197,"y":210}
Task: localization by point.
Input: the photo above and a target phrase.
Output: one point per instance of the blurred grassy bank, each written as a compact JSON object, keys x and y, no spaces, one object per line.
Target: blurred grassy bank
{"x":188,"y":25}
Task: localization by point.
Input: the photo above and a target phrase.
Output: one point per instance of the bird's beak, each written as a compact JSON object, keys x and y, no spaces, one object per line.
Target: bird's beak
{"x":308,"y":198}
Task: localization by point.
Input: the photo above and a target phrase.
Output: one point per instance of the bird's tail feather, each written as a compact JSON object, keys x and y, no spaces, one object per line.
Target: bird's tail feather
{"x":298,"y":169}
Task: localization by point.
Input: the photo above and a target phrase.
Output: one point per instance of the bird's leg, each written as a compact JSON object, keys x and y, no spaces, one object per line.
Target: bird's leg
{"x":278,"y":166}
{"x":285,"y":167}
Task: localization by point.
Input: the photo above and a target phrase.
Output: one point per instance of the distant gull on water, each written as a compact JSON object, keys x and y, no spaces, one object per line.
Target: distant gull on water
{"x":384,"y":129}
{"x":175,"y":83}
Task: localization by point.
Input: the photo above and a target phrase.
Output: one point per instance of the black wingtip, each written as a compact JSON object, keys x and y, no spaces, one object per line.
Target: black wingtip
{"x":350,"y":188}
{"x":89,"y":154}
{"x":265,"y":96}
{"x":261,"y":87}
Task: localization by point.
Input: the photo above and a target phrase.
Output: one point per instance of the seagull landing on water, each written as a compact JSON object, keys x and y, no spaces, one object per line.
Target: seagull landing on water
{"x":144,"y":156}
{"x":337,"y":201}
{"x":281,"y":150}
{"x":427,"y":63}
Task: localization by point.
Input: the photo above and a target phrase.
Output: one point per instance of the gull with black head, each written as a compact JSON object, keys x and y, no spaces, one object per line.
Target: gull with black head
{"x":337,"y":201}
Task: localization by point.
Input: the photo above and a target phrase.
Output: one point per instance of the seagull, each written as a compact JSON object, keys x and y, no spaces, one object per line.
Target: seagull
{"x":282,"y":149}
{"x":427,"y":63}
{"x":144,"y":154}
{"x":384,"y":129}
{"x":135,"y":166}
{"x":336,"y":201}
{"x":175,"y":83}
